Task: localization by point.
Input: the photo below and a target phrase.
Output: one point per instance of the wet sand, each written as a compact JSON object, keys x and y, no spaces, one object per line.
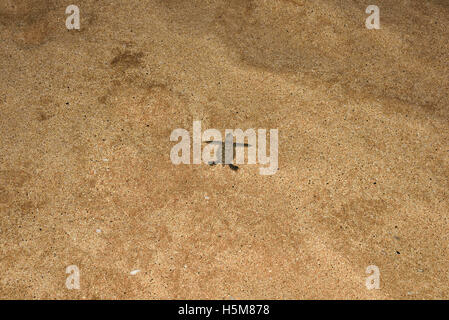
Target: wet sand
{"x":85,"y":171}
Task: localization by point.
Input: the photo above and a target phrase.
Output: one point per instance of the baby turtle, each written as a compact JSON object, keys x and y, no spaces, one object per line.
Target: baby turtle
{"x":221,"y":152}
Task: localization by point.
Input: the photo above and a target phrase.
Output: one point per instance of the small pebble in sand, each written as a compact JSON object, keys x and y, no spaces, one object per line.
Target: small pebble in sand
{"x":98,"y":230}
{"x":206,"y":197}
{"x":134,"y":272}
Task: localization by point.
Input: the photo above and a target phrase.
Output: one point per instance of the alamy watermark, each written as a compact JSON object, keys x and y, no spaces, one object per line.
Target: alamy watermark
{"x":373,"y":280}
{"x":373,"y":21}
{"x":72,"y":21}
{"x":216,"y":151}
{"x":73,"y":280}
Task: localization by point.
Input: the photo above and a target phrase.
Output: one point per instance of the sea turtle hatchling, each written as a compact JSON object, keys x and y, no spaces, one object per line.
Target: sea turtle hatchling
{"x":221,"y":152}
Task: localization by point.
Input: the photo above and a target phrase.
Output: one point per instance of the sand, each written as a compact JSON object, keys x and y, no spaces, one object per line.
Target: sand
{"x":86,"y":177}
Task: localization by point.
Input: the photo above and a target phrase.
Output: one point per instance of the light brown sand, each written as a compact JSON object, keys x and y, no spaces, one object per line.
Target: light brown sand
{"x":363,"y":153}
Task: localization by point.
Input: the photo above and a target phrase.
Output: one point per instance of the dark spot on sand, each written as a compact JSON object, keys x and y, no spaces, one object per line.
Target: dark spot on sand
{"x":127,"y":59}
{"x":42,"y":116}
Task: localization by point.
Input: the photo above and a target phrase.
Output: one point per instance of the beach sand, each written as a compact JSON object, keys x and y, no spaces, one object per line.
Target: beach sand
{"x":86,"y":177}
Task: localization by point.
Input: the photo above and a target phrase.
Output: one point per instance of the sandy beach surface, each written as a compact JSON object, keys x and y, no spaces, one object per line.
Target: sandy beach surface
{"x":86,"y":178}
